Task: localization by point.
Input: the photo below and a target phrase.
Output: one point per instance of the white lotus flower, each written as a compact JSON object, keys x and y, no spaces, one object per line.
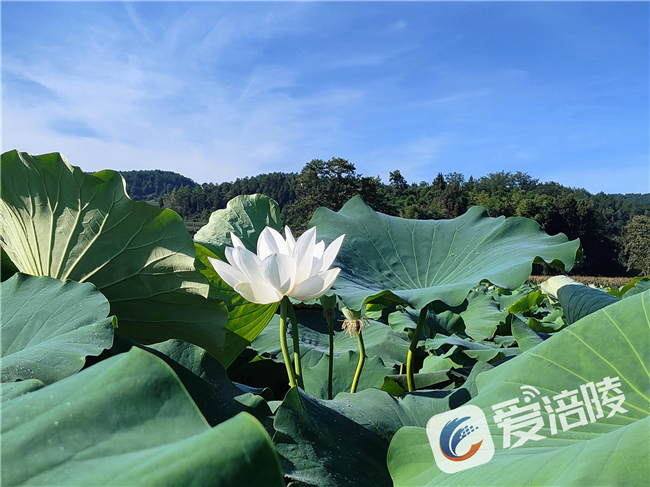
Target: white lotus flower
{"x":282,"y":267}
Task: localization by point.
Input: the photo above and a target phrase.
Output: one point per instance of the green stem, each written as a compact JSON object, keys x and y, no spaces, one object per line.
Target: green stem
{"x":362,"y":359}
{"x":283,"y":341}
{"x":329,"y":317}
{"x":412,"y":348}
{"x":296,"y":344}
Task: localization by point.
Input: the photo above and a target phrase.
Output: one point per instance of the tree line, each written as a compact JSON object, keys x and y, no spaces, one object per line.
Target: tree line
{"x":150,"y":185}
{"x":614,"y":229}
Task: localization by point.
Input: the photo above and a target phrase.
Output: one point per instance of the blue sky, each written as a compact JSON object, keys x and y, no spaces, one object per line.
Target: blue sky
{"x":217,"y":91}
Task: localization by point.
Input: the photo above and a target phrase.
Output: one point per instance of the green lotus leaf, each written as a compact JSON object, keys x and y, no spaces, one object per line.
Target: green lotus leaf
{"x":345,"y":441}
{"x":385,"y":415}
{"x":205,"y":379}
{"x":478,"y":317}
{"x":639,"y":287}
{"x":525,"y":336}
{"x":128,"y":421}
{"x":504,"y":341}
{"x":481,"y":351}
{"x":607,"y":451}
{"x":528,"y":303}
{"x":397,"y":384}
{"x":315,"y":373}
{"x":446,"y":322}
{"x":12,"y":390}
{"x":552,"y":320}
{"x":435,"y":363}
{"x":469,"y":389}
{"x":49,"y":327}
{"x":245,"y":216}
{"x":419,"y":261}
{"x":59,"y":222}
{"x":319,"y":446}
{"x":578,"y":300}
{"x":482,"y":316}
{"x":619,"y":293}
{"x":507,"y":298}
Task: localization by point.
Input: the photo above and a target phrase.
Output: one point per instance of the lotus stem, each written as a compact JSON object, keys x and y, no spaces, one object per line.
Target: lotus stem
{"x":283,"y":341}
{"x":412,"y":348}
{"x":329,"y":317}
{"x":296,"y":344}
{"x":329,"y":311}
{"x":362,"y":359}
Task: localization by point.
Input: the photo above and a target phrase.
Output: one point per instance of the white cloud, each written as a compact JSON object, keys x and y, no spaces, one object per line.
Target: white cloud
{"x":268,"y":78}
{"x":218,"y":91}
{"x":152,"y":106}
{"x":137,"y":22}
{"x":459,"y":96}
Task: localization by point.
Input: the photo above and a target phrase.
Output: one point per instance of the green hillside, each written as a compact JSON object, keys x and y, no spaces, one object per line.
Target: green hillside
{"x":152,"y":184}
{"x":603,"y":222}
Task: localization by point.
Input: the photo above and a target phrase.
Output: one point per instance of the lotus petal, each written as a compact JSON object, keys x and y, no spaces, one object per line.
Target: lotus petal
{"x":228,"y":273}
{"x":303,"y":254}
{"x":291,"y":242}
{"x":319,"y":248}
{"x":270,"y":242}
{"x":279,"y":271}
{"x":236,"y":242}
{"x":258,"y":293}
{"x":248,"y":263}
{"x":331,"y":252}
{"x":315,"y":286}
{"x":316,"y":266}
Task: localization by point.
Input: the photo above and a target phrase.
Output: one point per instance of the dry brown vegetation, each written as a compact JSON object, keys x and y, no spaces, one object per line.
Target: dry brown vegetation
{"x":588,"y":280}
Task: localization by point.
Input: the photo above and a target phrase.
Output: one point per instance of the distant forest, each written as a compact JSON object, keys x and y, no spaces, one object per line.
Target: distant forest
{"x":151,"y":185}
{"x":614,"y":228}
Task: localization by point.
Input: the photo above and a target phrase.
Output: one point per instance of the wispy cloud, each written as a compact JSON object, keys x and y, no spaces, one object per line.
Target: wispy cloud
{"x":223,"y":90}
{"x":72,"y":127}
{"x":137,"y":22}
{"x":460,"y":96}
{"x":372,"y":58}
{"x":139,"y":110}
{"x":264,"y":79}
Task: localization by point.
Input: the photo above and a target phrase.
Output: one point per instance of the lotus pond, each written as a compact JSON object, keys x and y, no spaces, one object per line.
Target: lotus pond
{"x":135,"y":354}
